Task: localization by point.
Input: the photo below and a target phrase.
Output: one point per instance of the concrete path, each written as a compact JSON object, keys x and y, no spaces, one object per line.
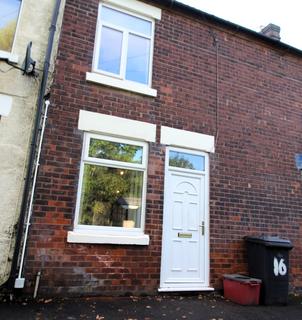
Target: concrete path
{"x":202,"y":307}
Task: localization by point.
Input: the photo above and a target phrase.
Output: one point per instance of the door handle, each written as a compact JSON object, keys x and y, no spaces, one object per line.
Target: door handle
{"x":202,"y":228}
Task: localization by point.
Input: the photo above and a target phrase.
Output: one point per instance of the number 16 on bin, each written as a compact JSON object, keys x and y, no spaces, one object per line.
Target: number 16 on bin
{"x":279,"y":267}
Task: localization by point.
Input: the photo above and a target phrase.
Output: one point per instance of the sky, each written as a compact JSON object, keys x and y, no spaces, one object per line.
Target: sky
{"x":256,"y":14}
{"x":9,"y":11}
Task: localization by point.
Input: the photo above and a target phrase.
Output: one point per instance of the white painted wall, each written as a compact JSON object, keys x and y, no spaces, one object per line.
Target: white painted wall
{"x":16,"y":128}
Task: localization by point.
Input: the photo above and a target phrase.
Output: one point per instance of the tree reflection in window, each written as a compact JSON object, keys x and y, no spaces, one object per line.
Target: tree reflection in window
{"x":186,"y":160}
{"x":112,"y":196}
{"x":110,"y":150}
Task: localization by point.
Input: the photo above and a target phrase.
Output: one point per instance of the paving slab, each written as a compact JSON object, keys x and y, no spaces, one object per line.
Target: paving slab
{"x":198,"y":307}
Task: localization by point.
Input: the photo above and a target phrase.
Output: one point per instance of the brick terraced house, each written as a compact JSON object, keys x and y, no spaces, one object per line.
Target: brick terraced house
{"x":171,"y":135}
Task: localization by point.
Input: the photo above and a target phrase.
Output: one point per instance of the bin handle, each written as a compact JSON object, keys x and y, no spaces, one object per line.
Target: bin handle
{"x":253,"y":284}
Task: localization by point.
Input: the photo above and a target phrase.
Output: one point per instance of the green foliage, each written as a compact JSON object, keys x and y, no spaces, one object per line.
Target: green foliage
{"x":115,"y":151}
{"x":180,"y":162}
{"x":7,"y":35}
{"x":102,"y":186}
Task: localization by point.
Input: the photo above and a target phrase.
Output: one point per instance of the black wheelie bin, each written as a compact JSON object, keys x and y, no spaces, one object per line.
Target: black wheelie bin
{"x":268,"y":260}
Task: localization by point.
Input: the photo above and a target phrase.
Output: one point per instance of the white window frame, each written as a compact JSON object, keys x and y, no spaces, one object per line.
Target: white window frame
{"x":9,"y":55}
{"x":105,"y":234}
{"x":120,"y":81}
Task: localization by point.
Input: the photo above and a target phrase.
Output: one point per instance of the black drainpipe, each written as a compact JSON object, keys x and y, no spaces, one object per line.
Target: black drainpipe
{"x":32,"y":156}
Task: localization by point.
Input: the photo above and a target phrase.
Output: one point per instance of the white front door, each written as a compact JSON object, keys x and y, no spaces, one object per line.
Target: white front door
{"x":185,"y":247}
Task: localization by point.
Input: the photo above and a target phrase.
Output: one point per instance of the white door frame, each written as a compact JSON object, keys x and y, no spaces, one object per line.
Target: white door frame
{"x":205,"y":287}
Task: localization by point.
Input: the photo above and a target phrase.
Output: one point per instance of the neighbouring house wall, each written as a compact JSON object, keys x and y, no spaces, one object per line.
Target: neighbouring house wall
{"x":254,"y":185}
{"x":16,"y":129}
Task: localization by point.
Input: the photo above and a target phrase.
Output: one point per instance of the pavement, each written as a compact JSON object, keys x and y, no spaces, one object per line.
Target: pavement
{"x":198,"y":307}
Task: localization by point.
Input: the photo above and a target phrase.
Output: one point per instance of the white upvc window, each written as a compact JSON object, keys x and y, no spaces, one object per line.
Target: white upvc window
{"x":123,"y":50}
{"x":112,"y":191}
{"x":10,"y":10}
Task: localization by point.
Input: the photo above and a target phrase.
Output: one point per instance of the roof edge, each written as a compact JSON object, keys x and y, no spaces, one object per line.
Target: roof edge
{"x":225,"y":23}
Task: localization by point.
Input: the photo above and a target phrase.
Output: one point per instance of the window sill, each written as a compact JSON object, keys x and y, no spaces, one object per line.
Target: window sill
{"x":120,"y":84}
{"x":79,"y":237}
{"x":8,"y":56}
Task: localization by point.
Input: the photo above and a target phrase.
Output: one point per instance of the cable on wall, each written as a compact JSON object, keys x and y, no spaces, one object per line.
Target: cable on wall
{"x":216,"y":45}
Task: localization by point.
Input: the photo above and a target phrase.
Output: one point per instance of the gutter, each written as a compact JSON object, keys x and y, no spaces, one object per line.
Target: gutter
{"x":32,"y":157}
{"x":183,"y":8}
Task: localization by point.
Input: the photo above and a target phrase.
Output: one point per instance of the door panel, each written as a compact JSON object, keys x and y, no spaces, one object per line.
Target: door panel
{"x":184,"y":239}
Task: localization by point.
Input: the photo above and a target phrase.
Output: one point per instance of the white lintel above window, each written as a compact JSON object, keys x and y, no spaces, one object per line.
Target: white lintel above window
{"x":187,"y":139}
{"x":116,"y":126}
{"x":138,"y":7}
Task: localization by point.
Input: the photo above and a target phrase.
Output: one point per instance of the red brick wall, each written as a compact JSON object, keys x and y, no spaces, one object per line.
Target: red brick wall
{"x":254,"y":185}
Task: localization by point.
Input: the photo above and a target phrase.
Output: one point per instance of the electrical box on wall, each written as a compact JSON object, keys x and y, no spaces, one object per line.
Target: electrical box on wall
{"x":5,"y":105}
{"x":298,"y":158}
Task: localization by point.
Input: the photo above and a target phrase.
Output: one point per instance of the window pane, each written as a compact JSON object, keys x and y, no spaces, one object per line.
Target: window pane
{"x":8,"y":21}
{"x":126,"y":21}
{"x":111,"y":197}
{"x":138,"y":59}
{"x":111,"y":50}
{"x":110,"y":150}
{"x":186,"y":160}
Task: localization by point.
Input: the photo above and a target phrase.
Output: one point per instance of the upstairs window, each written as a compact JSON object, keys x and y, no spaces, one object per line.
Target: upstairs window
{"x":124,"y":45}
{"x":8,"y":23}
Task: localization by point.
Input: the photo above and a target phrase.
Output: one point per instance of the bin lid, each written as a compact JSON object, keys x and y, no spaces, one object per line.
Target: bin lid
{"x":241,"y":278}
{"x":270,"y":241}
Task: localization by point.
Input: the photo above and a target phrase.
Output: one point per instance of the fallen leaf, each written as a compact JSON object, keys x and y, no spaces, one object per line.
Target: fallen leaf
{"x":47,"y":300}
{"x":98,"y":317}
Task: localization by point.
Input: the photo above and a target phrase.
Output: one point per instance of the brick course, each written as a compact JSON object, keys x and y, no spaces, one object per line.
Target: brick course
{"x":254,"y":185}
